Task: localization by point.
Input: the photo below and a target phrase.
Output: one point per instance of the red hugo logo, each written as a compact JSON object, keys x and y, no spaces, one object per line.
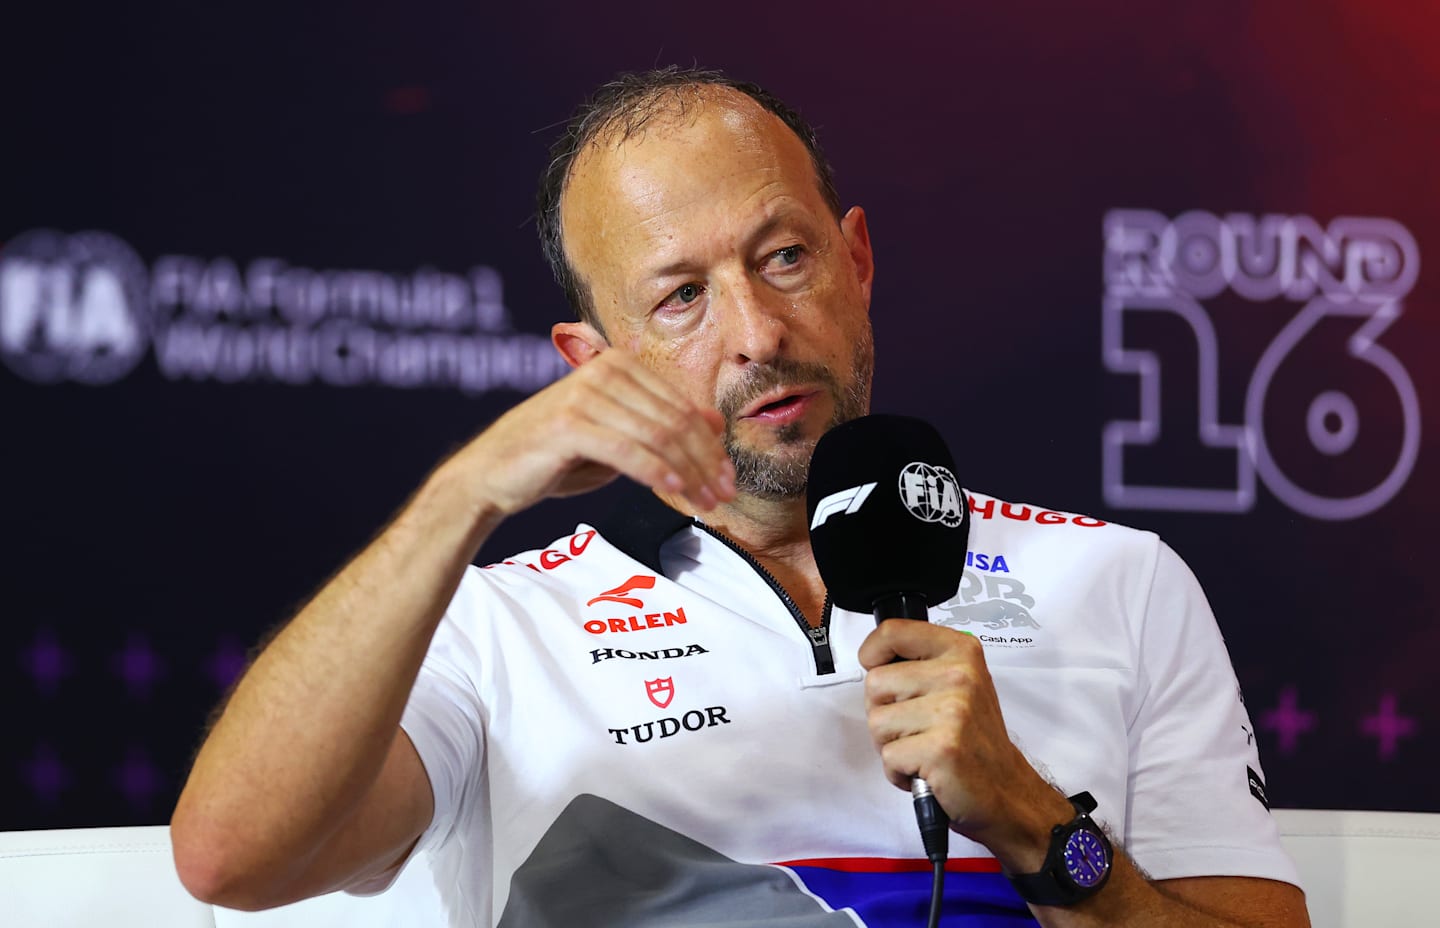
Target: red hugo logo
{"x":661,"y":691}
{"x":986,"y":510}
{"x":633,"y":623}
{"x":552,"y":558}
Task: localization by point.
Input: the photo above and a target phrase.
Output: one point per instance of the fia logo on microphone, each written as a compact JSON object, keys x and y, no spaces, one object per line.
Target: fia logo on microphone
{"x":931,"y":493}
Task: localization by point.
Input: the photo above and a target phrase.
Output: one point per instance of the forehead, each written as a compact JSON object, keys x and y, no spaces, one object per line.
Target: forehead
{"x":685,"y":177}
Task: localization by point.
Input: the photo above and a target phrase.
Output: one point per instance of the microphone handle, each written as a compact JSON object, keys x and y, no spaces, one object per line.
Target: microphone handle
{"x":901,"y":606}
{"x":934,"y":823}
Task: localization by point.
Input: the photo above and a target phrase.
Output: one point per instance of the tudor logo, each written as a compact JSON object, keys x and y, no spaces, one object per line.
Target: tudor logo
{"x":931,"y":493}
{"x":617,"y":595}
{"x":844,"y":502}
{"x":661,"y":691}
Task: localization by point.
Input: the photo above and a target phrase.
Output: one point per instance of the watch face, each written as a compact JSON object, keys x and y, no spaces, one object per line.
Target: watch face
{"x":1086,"y":860}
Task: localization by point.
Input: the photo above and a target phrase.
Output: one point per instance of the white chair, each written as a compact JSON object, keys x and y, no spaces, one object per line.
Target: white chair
{"x":83,"y":877}
{"x":1359,"y":870}
{"x":1365,"y":869}
{"x":125,"y":878}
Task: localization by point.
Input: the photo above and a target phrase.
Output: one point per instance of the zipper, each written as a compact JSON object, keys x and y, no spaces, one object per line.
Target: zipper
{"x":818,"y":636}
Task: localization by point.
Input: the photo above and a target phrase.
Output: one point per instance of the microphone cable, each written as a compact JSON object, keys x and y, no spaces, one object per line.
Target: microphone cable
{"x":935,"y":835}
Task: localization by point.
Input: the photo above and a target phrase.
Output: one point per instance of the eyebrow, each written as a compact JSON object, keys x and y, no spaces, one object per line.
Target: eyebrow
{"x":761,"y":232}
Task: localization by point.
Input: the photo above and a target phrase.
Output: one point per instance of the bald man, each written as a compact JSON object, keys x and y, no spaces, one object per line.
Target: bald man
{"x":662,"y":719}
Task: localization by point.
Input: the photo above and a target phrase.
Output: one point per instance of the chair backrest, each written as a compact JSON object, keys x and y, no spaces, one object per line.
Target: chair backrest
{"x":83,"y":877}
{"x":1359,"y":870}
{"x":1364,"y":869}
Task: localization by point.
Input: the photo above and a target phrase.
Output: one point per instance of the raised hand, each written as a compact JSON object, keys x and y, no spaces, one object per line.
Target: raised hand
{"x":610,"y":416}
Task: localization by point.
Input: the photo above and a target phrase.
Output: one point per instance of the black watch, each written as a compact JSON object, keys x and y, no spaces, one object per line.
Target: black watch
{"x":1077,"y":864}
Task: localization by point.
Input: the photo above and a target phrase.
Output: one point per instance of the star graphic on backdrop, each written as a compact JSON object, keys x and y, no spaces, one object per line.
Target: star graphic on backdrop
{"x":1387,"y":727}
{"x":138,"y":666}
{"x":45,"y":774}
{"x":46,"y":661}
{"x":1288,"y":720}
{"x":225,"y":663}
{"x":137,"y":778}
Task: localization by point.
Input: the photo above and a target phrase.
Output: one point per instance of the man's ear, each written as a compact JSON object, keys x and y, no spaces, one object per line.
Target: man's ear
{"x":577,"y":342}
{"x":857,"y":240}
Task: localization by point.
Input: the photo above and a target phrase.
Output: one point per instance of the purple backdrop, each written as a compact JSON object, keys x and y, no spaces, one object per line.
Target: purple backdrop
{"x":261,"y":268}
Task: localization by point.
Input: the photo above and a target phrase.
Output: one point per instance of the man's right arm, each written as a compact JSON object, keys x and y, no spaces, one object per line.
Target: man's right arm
{"x":306,"y":783}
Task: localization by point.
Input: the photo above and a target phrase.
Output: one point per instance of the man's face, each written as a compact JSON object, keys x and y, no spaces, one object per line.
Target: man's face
{"x":710,"y":253}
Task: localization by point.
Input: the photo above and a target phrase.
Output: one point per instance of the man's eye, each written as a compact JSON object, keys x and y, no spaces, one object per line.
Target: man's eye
{"x":789,"y":256}
{"x":683,"y":296}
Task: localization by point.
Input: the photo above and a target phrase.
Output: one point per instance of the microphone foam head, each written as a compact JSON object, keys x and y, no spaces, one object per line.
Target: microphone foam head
{"x":886,"y":512}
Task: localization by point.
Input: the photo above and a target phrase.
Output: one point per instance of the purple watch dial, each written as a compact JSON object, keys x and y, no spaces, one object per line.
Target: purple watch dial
{"x":1085,"y":859}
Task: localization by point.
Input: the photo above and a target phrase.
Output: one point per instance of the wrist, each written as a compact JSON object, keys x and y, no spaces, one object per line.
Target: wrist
{"x":1021,"y":845}
{"x":450,"y":496}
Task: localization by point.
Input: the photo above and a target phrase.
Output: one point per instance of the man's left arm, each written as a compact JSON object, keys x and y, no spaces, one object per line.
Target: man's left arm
{"x":936,"y":715}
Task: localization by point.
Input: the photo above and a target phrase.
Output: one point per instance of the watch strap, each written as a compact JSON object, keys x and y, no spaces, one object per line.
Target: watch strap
{"x":1052,"y":884}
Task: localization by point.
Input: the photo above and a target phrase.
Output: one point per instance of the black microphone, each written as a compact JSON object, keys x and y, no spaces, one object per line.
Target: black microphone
{"x":889,"y":526}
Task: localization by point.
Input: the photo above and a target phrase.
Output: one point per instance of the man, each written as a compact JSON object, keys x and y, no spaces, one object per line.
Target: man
{"x":633,"y":726}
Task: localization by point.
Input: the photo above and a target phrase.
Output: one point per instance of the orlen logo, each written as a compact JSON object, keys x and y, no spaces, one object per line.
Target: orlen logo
{"x":617,"y":595}
{"x":931,"y":493}
{"x":633,"y":623}
{"x":72,"y":307}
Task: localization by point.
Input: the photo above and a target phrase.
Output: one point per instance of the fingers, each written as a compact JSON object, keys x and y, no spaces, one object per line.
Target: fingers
{"x":611,"y":416}
{"x":922,"y":710}
{"x":950,"y":710}
{"x":923,"y":754}
{"x":953,"y":670}
{"x":644,"y":429}
{"x":656,"y":465}
{"x":911,"y":640}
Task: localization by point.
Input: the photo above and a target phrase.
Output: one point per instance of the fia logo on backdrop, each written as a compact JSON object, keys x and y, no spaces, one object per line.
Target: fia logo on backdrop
{"x":72,"y":307}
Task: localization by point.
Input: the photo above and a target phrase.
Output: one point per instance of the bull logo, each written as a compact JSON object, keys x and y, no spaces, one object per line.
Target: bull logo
{"x":992,"y":613}
{"x":661,"y":691}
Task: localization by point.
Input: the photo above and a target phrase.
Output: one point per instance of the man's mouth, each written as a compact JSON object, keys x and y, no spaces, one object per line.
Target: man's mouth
{"x":780,"y":406}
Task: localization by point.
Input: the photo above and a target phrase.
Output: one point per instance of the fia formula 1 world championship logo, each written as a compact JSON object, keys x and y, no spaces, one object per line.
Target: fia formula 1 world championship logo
{"x":1330,"y":419}
{"x":86,"y":308}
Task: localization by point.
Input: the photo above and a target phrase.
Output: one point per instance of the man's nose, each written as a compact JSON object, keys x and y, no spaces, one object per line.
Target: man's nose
{"x":755,"y":323}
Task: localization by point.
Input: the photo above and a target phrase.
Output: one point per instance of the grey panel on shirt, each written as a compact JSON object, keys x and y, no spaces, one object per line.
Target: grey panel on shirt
{"x":602,"y":865}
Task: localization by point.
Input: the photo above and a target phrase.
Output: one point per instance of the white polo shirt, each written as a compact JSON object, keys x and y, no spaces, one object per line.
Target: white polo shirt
{"x":634,"y":728}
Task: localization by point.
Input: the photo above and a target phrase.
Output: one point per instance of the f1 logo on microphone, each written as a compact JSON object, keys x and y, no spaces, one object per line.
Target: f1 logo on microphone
{"x":845,"y":501}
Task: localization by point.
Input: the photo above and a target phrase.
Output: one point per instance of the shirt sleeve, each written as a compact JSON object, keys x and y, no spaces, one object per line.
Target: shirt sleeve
{"x":1196,"y":801}
{"x":444,"y":721}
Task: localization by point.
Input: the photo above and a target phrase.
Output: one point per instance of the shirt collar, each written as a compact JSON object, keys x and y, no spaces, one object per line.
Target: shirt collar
{"x":640,"y":524}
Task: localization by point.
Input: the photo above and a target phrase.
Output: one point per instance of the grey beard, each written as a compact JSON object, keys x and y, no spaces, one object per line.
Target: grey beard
{"x":779,"y":475}
{"x":783,"y":474}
